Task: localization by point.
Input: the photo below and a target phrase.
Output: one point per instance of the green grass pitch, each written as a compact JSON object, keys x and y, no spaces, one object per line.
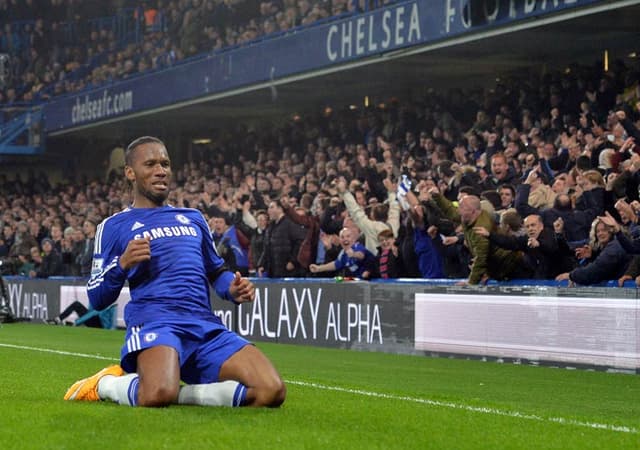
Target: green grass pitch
{"x":336,"y":399}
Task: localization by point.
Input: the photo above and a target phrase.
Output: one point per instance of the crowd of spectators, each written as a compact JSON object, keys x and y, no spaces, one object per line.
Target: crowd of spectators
{"x":64,"y":46}
{"x":533,"y":178}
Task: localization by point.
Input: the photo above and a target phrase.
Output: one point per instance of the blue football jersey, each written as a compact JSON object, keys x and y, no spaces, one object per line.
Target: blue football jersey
{"x":355,"y":266}
{"x":175,"y":281}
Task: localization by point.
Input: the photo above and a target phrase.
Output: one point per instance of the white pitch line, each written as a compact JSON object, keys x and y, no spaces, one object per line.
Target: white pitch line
{"x":477,"y":409}
{"x":58,"y":352}
{"x":424,"y":401}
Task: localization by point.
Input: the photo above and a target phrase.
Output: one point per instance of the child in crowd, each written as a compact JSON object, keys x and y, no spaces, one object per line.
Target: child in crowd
{"x":388,"y":260}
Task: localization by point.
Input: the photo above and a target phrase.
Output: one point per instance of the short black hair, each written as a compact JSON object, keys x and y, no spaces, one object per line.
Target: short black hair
{"x":92,"y":221}
{"x":136,"y":143}
{"x":544,"y":178}
{"x":507,"y":186}
{"x":583,"y":162}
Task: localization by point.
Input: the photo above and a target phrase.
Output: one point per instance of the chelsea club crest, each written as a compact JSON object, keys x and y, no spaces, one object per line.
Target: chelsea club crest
{"x":182,"y":219}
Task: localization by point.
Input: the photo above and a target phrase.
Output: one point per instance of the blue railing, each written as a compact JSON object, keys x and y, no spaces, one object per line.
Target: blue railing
{"x":629,"y":284}
{"x":22,"y":135}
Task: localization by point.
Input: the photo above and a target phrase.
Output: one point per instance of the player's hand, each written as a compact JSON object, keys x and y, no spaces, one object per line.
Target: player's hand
{"x":137,"y":251}
{"x":241,"y":289}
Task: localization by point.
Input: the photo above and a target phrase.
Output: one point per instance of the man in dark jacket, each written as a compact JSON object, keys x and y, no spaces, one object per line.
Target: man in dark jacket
{"x":539,"y":246}
{"x":501,"y":173}
{"x":311,"y":224}
{"x":282,"y":244}
{"x":257,"y":238}
{"x":577,"y":223}
{"x":85,"y":256}
{"x":51,"y":261}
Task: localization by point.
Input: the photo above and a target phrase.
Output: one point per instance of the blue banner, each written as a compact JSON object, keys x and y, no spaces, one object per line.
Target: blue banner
{"x":397,"y":26}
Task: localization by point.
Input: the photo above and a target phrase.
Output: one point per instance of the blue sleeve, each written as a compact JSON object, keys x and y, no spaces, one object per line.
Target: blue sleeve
{"x":222,"y":284}
{"x":522,"y":201}
{"x":215,"y":268}
{"x":340,"y":261}
{"x":544,"y":166}
{"x":107,"y":277}
{"x":429,"y":258}
{"x":422,"y":242}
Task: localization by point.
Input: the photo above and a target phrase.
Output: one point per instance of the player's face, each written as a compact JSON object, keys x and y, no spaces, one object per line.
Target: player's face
{"x":150,"y":172}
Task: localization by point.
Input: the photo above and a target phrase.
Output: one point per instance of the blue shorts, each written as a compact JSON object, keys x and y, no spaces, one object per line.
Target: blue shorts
{"x":203,"y":345}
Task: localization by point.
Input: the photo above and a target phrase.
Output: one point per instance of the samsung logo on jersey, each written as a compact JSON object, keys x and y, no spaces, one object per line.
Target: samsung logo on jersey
{"x":164,"y":232}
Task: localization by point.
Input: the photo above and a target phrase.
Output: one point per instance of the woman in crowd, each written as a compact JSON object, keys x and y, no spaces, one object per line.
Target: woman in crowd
{"x":601,"y":260}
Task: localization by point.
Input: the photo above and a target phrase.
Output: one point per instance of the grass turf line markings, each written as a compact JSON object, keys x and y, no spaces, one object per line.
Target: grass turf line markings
{"x":58,"y":352}
{"x":451,"y":405}
{"x":476,"y":409}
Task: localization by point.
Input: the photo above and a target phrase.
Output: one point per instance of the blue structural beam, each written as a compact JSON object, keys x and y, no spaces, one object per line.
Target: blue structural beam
{"x":9,"y":149}
{"x":17,"y":136}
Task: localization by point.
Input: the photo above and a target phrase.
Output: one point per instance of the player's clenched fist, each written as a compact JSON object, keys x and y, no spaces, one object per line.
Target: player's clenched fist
{"x":137,"y":251}
{"x":242,"y":289}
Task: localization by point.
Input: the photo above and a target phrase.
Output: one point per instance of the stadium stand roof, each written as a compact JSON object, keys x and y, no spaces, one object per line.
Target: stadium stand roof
{"x":473,"y":59}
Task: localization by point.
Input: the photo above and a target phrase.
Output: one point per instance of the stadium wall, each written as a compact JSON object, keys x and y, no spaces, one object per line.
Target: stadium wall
{"x":594,"y":327}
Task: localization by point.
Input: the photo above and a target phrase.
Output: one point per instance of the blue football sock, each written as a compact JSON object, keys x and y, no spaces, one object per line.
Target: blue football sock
{"x":240,"y":396}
